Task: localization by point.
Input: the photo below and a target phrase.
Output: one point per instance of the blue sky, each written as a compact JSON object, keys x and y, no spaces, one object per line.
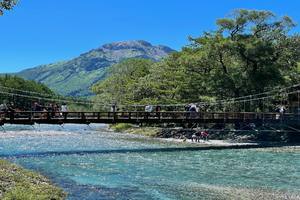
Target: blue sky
{"x":45,"y":31}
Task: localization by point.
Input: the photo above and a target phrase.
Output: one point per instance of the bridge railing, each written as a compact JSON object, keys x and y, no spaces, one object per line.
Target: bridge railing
{"x":124,"y":115}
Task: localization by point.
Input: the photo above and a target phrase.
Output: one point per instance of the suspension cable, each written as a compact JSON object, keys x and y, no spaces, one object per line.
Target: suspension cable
{"x":44,"y":96}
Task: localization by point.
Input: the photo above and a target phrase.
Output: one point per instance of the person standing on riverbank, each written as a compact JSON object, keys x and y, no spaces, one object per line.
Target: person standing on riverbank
{"x":204,"y":135}
{"x":194,"y":137}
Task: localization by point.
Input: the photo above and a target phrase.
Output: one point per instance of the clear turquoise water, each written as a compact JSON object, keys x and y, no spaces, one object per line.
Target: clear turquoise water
{"x":91,"y":164}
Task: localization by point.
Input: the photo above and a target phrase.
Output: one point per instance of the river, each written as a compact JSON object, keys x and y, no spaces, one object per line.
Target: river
{"x":90,"y":162}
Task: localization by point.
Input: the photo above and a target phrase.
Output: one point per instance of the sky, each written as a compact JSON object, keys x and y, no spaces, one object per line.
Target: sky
{"x":39,"y":32}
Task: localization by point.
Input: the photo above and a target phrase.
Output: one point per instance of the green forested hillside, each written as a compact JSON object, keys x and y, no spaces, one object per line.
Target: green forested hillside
{"x":249,"y":53}
{"x":122,"y":81}
{"x":19,"y":86}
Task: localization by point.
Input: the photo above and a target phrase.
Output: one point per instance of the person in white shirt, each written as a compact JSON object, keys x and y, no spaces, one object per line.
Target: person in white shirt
{"x":64,"y":110}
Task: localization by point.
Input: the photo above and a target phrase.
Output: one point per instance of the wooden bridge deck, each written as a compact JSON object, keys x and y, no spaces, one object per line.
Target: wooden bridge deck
{"x":29,"y":117}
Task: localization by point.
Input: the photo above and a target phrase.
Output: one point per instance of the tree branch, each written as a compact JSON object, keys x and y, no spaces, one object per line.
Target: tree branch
{"x":222,"y":63}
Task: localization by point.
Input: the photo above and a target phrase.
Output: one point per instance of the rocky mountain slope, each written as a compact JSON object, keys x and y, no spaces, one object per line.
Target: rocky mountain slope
{"x":74,"y":77}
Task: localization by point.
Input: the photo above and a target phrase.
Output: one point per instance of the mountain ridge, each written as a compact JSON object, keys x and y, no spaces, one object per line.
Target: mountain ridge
{"x":74,"y":77}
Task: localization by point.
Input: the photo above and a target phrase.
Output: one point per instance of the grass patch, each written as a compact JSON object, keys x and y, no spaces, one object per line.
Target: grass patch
{"x":17,"y":183}
{"x":146,"y":131}
{"x":129,"y":128}
{"x":121,"y":127}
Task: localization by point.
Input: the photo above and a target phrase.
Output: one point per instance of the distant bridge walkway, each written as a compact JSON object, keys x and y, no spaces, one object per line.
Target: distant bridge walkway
{"x":30,"y":118}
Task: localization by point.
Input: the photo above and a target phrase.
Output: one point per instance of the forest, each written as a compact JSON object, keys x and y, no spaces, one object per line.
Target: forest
{"x":22,"y":92}
{"x":250,"y":52}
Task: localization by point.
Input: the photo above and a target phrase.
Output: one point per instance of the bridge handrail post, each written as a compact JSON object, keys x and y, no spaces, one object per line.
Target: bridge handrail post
{"x":12,"y":115}
{"x":158,"y":114}
{"x":83,"y":116}
{"x":115,"y":116}
{"x":65,"y":115}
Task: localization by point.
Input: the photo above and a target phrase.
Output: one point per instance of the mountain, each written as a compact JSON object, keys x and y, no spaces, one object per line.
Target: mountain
{"x":74,"y":77}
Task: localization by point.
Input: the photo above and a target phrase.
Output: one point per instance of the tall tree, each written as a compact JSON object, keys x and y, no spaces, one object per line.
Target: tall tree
{"x":248,"y":53}
{"x":6,"y":5}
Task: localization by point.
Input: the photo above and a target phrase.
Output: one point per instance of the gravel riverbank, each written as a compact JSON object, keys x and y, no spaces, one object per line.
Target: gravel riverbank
{"x":180,"y":135}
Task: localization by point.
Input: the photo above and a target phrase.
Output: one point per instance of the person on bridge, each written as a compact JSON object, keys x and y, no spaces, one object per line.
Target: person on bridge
{"x":113,"y":107}
{"x":157,"y":110}
{"x":11,"y":110}
{"x":51,"y":110}
{"x":193,"y":110}
{"x":3,"y":107}
{"x":64,"y":110}
{"x":45,"y":112}
{"x":64,"y":107}
{"x":148,"y":108}
{"x":36,"y":108}
{"x":282,"y":109}
{"x":11,"y":107}
{"x":56,"y":110}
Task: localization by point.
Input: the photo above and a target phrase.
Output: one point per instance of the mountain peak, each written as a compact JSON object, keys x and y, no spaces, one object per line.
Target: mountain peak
{"x":132,"y":44}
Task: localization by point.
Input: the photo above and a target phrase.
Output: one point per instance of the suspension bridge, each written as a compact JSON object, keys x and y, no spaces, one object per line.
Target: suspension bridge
{"x":257,"y":109}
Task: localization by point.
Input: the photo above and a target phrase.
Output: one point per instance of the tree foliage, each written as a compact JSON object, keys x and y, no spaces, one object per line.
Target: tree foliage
{"x":6,"y":5}
{"x":250,"y":52}
{"x":122,"y":81}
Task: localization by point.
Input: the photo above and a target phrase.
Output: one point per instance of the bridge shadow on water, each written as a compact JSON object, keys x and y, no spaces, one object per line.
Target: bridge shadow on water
{"x":144,"y":150}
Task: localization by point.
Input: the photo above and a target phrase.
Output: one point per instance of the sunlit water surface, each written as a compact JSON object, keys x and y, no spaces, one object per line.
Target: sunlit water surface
{"x":92,"y":163}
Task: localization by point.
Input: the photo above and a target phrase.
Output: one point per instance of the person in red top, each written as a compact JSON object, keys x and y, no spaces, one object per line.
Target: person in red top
{"x":204,"y":135}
